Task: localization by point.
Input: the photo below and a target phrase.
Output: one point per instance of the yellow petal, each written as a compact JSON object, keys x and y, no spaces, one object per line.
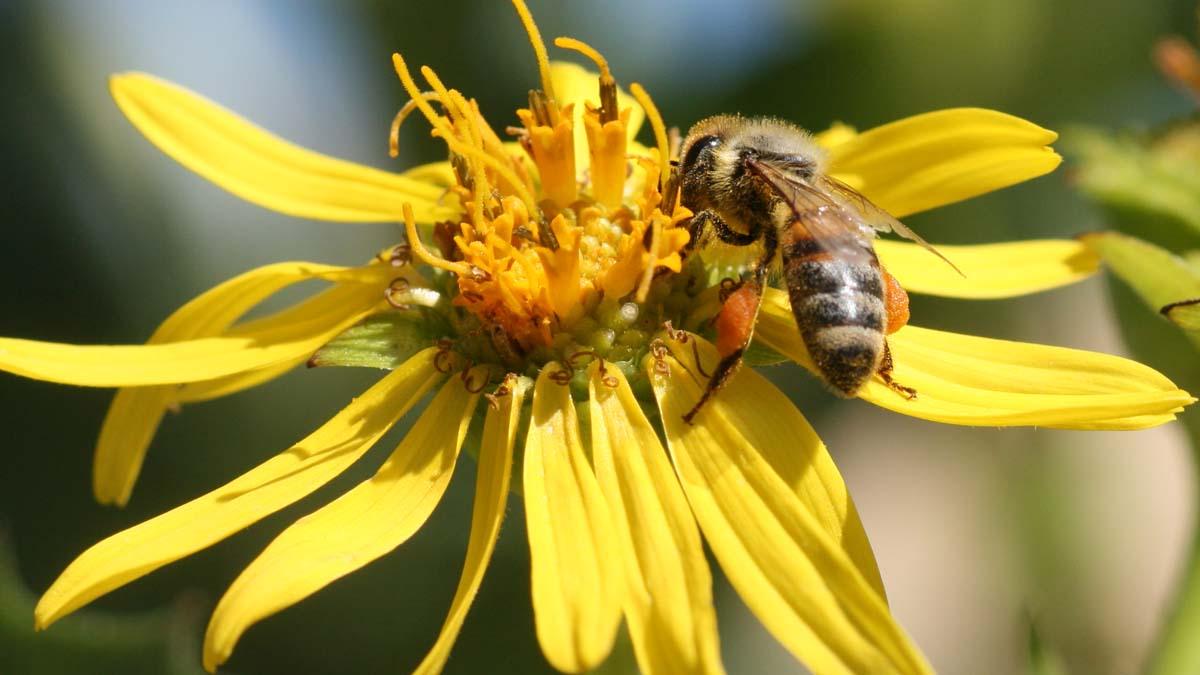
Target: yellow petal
{"x":942,"y":157}
{"x":285,"y":337}
{"x":360,"y":526}
{"x":197,"y":392}
{"x":974,"y":381}
{"x":136,"y":412}
{"x":264,"y":169}
{"x":770,"y":423}
{"x":573,"y":553}
{"x":324,"y":304}
{"x":991,"y":270}
{"x":835,"y":135}
{"x":795,"y":577}
{"x":270,"y":486}
{"x":668,"y":601}
{"x":491,"y":496}
{"x":574,"y":84}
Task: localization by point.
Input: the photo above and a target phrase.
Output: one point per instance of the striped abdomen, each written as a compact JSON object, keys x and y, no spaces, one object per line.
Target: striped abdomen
{"x":840,"y":311}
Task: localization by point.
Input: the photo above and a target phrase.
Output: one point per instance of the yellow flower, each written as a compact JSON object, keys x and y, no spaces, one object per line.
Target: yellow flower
{"x":555,"y":262}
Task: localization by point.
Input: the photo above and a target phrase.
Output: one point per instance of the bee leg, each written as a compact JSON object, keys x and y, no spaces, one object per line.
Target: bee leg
{"x":735,"y":328}
{"x":885,"y":372}
{"x":726,"y":368}
{"x":702,"y":219}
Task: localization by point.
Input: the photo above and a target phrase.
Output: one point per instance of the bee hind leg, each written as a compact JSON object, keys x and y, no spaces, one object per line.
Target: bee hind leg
{"x":885,"y":373}
{"x":735,"y":328}
{"x":726,"y":368}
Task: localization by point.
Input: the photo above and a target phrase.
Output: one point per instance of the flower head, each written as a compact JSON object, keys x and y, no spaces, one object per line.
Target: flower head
{"x":548,"y":277}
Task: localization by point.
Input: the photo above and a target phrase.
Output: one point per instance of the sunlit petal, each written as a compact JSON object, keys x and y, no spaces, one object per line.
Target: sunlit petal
{"x":576,"y":577}
{"x":668,"y":604}
{"x":135,"y":412}
{"x":360,"y":526}
{"x":989,"y":270}
{"x":961,"y":379}
{"x":574,"y":84}
{"x":925,"y":161}
{"x":491,"y":497}
{"x":771,"y":424}
{"x":284,"y":337}
{"x":797,"y":579}
{"x":264,"y":169}
{"x":272,"y":485}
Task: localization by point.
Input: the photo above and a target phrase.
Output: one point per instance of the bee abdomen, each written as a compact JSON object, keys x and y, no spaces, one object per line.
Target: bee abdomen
{"x":847,"y":308}
{"x":841,"y":315}
{"x":846,"y":356}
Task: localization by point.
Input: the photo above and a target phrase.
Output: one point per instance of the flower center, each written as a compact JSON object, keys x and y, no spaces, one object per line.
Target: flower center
{"x":570,"y":245}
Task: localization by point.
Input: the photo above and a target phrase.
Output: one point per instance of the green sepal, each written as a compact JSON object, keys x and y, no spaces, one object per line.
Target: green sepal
{"x":1163,"y":280}
{"x":383,"y":340}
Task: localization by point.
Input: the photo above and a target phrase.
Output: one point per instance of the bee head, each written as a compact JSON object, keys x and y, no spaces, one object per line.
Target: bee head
{"x":717,"y":151}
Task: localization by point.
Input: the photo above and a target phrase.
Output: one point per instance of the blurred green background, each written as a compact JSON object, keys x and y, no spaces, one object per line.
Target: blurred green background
{"x":976,"y":530}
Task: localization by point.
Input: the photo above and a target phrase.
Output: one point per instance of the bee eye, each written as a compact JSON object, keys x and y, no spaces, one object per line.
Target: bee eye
{"x":698,"y":146}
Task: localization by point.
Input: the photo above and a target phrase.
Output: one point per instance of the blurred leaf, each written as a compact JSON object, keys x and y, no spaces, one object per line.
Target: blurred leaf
{"x":1185,"y":314}
{"x":1162,"y":279}
{"x":1043,"y":660}
{"x":1158,"y":174}
{"x":381,"y":341}
{"x":1193,"y":258}
{"x":158,"y":641}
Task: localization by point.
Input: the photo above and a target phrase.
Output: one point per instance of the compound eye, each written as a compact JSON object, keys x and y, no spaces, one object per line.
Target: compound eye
{"x":698,"y":146}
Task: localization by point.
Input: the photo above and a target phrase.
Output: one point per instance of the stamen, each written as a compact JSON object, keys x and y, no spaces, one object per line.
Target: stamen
{"x":479,"y":177}
{"x":414,"y":92}
{"x":660,"y":130}
{"x":608,"y":85}
{"x":539,"y":50}
{"x":648,"y":274}
{"x":504,"y":172}
{"x":405,"y":111}
{"x":419,"y":250}
{"x":588,"y":51}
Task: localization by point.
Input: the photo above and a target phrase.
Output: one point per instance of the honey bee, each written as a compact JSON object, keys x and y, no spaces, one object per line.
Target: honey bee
{"x":763,"y":181}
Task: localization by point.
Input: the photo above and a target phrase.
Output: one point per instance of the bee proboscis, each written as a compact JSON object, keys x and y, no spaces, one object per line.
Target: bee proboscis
{"x":764,"y":181}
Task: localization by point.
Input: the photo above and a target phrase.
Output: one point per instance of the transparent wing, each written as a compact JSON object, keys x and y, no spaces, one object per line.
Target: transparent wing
{"x":872,"y":215}
{"x":835,"y":228}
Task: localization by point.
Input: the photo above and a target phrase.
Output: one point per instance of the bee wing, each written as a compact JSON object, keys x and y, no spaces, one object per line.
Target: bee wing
{"x":837,"y":229}
{"x":873,"y":216}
